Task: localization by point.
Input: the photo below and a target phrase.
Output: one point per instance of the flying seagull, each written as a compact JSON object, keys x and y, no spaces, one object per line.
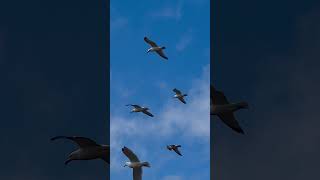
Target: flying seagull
{"x":155,"y":48}
{"x":134,"y":163}
{"x":88,"y":149}
{"x":220,"y":107}
{"x":137,"y":108}
{"x":179,"y":95}
{"x":175,"y":148}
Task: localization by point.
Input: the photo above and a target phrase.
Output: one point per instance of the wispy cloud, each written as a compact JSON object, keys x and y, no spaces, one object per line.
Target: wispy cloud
{"x":169,"y":12}
{"x":184,"y":41}
{"x":117,"y":21}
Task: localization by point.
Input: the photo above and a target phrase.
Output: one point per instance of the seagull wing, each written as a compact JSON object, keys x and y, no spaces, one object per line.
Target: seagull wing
{"x":177,"y":151}
{"x":176,"y":91}
{"x":137,"y":173}
{"x":230,"y":120}
{"x":217,"y":97}
{"x":81,"y":141}
{"x":147,"y":40}
{"x":182,"y":100}
{"x":134,"y":105}
{"x":132,"y":157}
{"x":160,"y":52}
{"x":147,"y":113}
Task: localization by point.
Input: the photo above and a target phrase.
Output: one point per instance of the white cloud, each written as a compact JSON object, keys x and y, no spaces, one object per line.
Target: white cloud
{"x":190,"y":121}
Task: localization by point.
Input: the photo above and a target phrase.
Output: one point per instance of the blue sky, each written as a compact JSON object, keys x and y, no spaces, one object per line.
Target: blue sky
{"x":146,"y":79}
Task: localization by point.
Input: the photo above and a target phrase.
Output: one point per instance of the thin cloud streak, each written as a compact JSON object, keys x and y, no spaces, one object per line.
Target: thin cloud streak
{"x":169,"y":12}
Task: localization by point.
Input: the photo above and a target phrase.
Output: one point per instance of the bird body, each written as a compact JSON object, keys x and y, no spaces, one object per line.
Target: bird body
{"x":137,"y":164}
{"x":232,"y":107}
{"x":155,"y":49}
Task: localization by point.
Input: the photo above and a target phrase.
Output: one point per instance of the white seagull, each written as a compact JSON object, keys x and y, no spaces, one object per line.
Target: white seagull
{"x":134,"y":163}
{"x":137,"y":108}
{"x":175,"y":148}
{"x":220,"y":107}
{"x":155,"y":48}
{"x":88,"y":149}
{"x":179,"y":95}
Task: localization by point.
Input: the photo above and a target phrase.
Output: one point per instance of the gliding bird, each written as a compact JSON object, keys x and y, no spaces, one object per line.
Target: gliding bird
{"x":220,"y":107}
{"x":179,"y":95}
{"x":134,"y":163}
{"x":155,"y":48}
{"x":175,"y":148}
{"x":137,"y":108}
{"x":88,"y":149}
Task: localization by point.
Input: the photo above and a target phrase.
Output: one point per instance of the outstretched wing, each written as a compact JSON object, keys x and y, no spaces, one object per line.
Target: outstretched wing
{"x":137,"y":173}
{"x":230,"y":120}
{"x":132,"y":157}
{"x":176,"y":91}
{"x":160,"y":52}
{"x":134,"y":105}
{"x":147,"y":40}
{"x":177,"y":151}
{"x":217,"y":97}
{"x":182,"y":100}
{"x":147,"y":113}
{"x":81,"y":141}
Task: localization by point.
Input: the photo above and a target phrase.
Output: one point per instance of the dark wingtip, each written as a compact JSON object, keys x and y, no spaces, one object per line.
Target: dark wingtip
{"x":240,"y":131}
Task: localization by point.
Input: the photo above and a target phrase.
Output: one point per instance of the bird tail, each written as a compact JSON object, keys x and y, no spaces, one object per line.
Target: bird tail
{"x":242,"y":105}
{"x":163,"y":47}
{"x":146,"y":164}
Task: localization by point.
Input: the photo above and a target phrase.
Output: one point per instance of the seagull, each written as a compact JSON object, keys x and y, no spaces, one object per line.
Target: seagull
{"x":155,"y":48}
{"x":137,"y":108}
{"x":175,"y":148}
{"x":179,"y":95}
{"x":134,"y":163}
{"x":88,"y":149}
{"x":220,"y":107}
